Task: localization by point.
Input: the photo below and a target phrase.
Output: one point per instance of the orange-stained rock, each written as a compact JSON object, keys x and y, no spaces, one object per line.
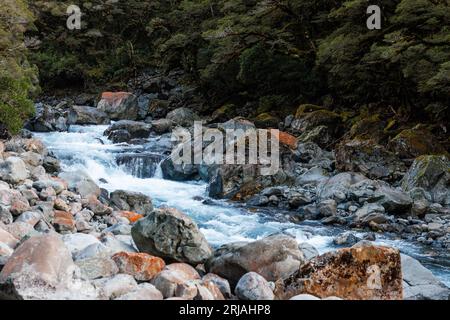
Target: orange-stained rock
{"x":119,"y":105}
{"x":63,"y":221}
{"x":362,"y":272}
{"x":287,"y":140}
{"x":131,"y":216}
{"x":115,"y":97}
{"x":141,"y":266}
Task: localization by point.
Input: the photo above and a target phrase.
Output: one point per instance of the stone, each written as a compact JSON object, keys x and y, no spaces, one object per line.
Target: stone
{"x":5,"y":253}
{"x":274,"y":257}
{"x":63,"y":221}
{"x":308,"y":250}
{"x":134,"y":128}
{"x":183,"y":117}
{"x":61,"y":205}
{"x":362,"y":272}
{"x":222,"y":284}
{"x":306,"y":121}
{"x":13,"y":170}
{"x":119,"y":105}
{"x":304,"y":297}
{"x":162,"y":126}
{"x":173,"y":283}
{"x":32,"y":159}
{"x":340,"y":183}
{"x":411,"y":143}
{"x":145,"y":291}
{"x":51,"y":264}
{"x":288,"y":140}
{"x":327,"y":208}
{"x":346,"y":238}
{"x":92,"y":251}
{"x":132,"y":201}
{"x":186,"y":270}
{"x":142,"y":266}
{"x":115,"y":245}
{"x":116,"y":286}
{"x":430,"y":173}
{"x":131,"y":216}
{"x":19,"y":229}
{"x":97,"y":267}
{"x":419,"y":283}
{"x":172,"y":235}
{"x":19,"y":205}
{"x":30,"y":217}
{"x":76,"y":242}
{"x":97,"y":207}
{"x":252,"y":286}
{"x":84,"y":115}
{"x":8,"y":239}
{"x":80,"y":183}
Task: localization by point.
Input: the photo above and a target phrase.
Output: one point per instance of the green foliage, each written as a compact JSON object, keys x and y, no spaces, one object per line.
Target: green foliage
{"x":17,"y":77}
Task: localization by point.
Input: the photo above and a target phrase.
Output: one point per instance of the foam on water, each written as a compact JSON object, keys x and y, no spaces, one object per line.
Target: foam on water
{"x":87,"y":149}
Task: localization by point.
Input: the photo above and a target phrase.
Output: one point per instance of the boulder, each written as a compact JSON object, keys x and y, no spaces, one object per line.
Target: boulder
{"x":308,"y":297}
{"x":183,"y":117}
{"x":76,"y":242}
{"x":145,"y":291}
{"x":80,"y":183}
{"x":8,"y":239}
{"x":411,"y":143}
{"x":306,"y":121}
{"x":13,"y":170}
{"x":362,"y":272}
{"x":347,"y":239}
{"x":84,"y":115}
{"x":116,"y":286}
{"x":132,"y":201}
{"x":119,"y":105}
{"x":51,"y":264}
{"x":251,"y":286}
{"x":369,"y":158}
{"x":419,"y":283}
{"x":170,"y":234}
{"x":97,"y":267}
{"x":162,"y":126}
{"x":275,"y":257}
{"x":141,"y":266}
{"x":337,"y":186}
{"x":432,"y":174}
{"x":175,"y":283}
{"x":221,"y":283}
{"x":63,"y":221}
{"x":134,"y":128}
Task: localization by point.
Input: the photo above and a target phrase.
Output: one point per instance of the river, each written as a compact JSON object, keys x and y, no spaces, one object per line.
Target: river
{"x":85,"y":148}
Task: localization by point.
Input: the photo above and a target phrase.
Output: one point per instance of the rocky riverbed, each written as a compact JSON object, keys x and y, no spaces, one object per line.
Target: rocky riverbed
{"x":93,"y":207}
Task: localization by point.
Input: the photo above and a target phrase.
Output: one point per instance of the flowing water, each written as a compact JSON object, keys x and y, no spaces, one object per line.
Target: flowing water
{"x":85,"y":148}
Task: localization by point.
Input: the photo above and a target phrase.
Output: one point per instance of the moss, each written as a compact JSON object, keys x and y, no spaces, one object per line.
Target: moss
{"x":266,"y":120}
{"x":307,"y":108}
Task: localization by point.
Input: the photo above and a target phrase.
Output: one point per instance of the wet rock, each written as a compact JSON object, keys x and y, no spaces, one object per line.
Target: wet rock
{"x":419,"y":283}
{"x":251,"y":286}
{"x":119,"y":136}
{"x":369,"y":158}
{"x":145,"y":291}
{"x":430,"y":173}
{"x":84,"y":115}
{"x":13,"y":170}
{"x":183,"y":117}
{"x":346,"y":238}
{"x":132,"y":201}
{"x":274,"y":257}
{"x":51,"y":165}
{"x":97,"y":267}
{"x":119,"y":105}
{"x":162,"y":126}
{"x":358,"y":273}
{"x":80,"y":183}
{"x":50,"y":261}
{"x":141,"y":266}
{"x":178,"y":172}
{"x":134,"y":128}
{"x":170,"y":234}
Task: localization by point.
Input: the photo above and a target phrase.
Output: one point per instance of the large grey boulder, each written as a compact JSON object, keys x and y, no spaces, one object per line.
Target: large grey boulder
{"x":274,"y":257}
{"x":171,"y":235}
{"x":337,"y":186}
{"x":135,"y":129}
{"x":183,"y":117}
{"x":87,"y":115}
{"x":119,"y":105}
{"x":419,"y":283}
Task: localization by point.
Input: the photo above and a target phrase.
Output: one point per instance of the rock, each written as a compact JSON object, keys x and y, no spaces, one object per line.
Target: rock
{"x":5,"y":253}
{"x":119,"y":105}
{"x":287,"y":140}
{"x":327,"y":208}
{"x":115,"y":245}
{"x":80,"y":183}
{"x":30,"y":217}
{"x":19,"y":230}
{"x":313,"y":176}
{"x":5,"y":215}
{"x":208,"y":290}
{"x":371,"y":212}
{"x":131,"y":216}
{"x":304,"y":297}
{"x":8,"y":239}
{"x":92,"y":251}
{"x":132,"y":201}
{"x":221,"y":283}
{"x":430,"y":173}
{"x":97,"y":267}
{"x":183,"y":117}
{"x":338,"y":185}
{"x":369,"y":158}
{"x":84,"y":115}
{"x":119,"y":136}
{"x":175,"y":283}
{"x":63,"y":221}
{"x":364,"y":272}
{"x":57,"y":184}
{"x":411,"y":143}
{"x":419,"y":283}
{"x":346,"y":238}
{"x":274,"y":257}
{"x":134,"y":128}
{"x":13,"y":170}
{"x":32,"y":159}
{"x":306,"y":121}
{"x":393,"y":200}
{"x":76,"y":242}
{"x":178,"y":172}
{"x":51,"y":165}
{"x":170,"y":234}
{"x":145,"y":291}
{"x":184,"y":269}
{"x":97,"y":207}
{"x":50,"y":261}
{"x":320,"y":135}
{"x":162,"y":126}
{"x":141,"y":266}
{"x":251,"y":286}
{"x":19,"y":205}
{"x":116,"y":286}
{"x":308,"y":250}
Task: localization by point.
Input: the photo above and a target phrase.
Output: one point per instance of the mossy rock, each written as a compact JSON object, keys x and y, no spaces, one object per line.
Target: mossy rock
{"x":317,"y":118}
{"x":411,"y":143}
{"x":319,"y":135}
{"x":227,"y":111}
{"x":307,"y":108}
{"x":368,"y":128}
{"x":266,"y":120}
{"x":432,"y":173}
